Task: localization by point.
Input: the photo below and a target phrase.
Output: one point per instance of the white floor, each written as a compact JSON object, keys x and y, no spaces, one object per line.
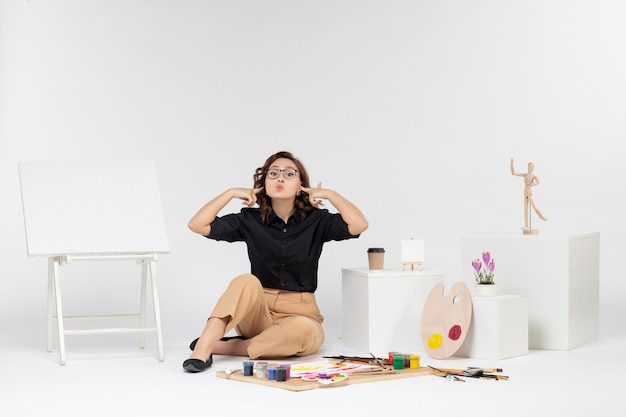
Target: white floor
{"x":118,"y":380}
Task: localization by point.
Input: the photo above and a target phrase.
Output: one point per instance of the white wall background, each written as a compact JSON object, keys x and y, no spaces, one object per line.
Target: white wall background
{"x":412,"y":109}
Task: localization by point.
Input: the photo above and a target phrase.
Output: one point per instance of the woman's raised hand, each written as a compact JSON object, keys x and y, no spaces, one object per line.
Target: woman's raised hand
{"x":248,"y":195}
{"x":315,"y":194}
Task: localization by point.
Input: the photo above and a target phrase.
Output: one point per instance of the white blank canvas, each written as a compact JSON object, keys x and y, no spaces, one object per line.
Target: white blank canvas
{"x":92,"y":207}
{"x":412,"y":250}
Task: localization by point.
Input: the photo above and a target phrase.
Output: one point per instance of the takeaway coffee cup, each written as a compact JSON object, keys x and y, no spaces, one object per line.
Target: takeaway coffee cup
{"x":376,"y":258}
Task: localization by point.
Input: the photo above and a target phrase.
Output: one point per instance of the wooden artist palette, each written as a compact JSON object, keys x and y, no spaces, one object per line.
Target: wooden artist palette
{"x":446,"y":320}
{"x":298,"y":384}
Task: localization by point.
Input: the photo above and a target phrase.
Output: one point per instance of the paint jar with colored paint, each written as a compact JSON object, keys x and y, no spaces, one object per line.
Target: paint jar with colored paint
{"x":407,"y":360}
{"x":248,"y":368}
{"x":261,"y":369}
{"x":390,"y":360}
{"x":271,"y":372}
{"x":281,"y":374}
{"x":287,"y":369}
{"x":414,"y":361}
{"x":398,"y":361}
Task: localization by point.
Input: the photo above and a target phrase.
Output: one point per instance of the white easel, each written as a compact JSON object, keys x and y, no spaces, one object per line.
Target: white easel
{"x":95,"y":211}
{"x":412,"y":253}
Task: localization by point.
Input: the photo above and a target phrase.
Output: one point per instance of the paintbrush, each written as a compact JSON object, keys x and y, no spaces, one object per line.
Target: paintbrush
{"x":370,"y":371}
{"x":486,"y":369}
{"x":496,"y":377}
{"x":378,"y":361}
{"x":473,"y":373}
{"x":447,"y":375}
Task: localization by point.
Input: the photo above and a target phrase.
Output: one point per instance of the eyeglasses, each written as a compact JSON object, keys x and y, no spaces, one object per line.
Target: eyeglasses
{"x":288,"y":173}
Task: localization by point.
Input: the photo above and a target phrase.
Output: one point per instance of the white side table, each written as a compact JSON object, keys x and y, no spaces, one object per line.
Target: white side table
{"x":382,"y":310}
{"x":499,"y":328}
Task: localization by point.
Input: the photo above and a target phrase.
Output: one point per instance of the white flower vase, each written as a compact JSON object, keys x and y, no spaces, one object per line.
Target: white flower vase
{"x":485,"y":290}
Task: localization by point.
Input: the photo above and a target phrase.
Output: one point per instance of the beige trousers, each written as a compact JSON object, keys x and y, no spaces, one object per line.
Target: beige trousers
{"x":278,"y":323}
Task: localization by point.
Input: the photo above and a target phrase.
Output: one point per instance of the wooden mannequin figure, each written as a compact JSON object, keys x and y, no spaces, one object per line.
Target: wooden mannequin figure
{"x":530,"y":180}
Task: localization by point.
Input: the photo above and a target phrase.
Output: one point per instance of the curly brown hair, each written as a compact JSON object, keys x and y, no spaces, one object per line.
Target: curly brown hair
{"x":303,"y":205}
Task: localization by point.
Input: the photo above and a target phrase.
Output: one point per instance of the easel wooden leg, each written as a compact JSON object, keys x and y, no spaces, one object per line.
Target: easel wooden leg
{"x":50,"y":301}
{"x":53,"y":264}
{"x":157,"y":309}
{"x":142,"y":304}
{"x":419,"y":265}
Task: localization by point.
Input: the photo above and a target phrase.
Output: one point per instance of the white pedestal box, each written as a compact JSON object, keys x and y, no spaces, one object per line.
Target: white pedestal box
{"x":558,"y":273}
{"x":382,"y":310}
{"x":499,"y":328}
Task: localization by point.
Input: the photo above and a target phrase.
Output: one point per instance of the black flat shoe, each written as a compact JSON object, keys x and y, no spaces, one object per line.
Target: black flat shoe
{"x":196,"y":365}
{"x":192,"y":346}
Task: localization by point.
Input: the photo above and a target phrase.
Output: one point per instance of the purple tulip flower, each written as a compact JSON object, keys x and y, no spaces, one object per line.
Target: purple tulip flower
{"x":477,"y":265}
{"x":486,"y":257}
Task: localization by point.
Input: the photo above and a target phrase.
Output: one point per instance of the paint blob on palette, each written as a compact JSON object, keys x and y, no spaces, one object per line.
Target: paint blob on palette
{"x":446,"y":320}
